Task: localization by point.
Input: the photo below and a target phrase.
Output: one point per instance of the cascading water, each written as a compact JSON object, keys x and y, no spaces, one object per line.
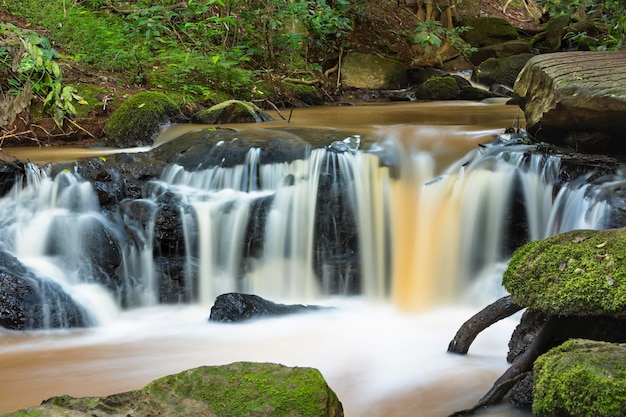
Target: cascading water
{"x":402,"y":220}
{"x":403,"y":216}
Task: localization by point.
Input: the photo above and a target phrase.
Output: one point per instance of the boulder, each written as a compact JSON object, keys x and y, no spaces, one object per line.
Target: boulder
{"x":240,"y":389}
{"x":581,"y":378}
{"x":500,"y":70}
{"x":367,"y":71}
{"x":578,"y":273}
{"x":235,"y":307}
{"x":438,"y":88}
{"x":487,"y":30}
{"x":29,"y":302}
{"x":137,"y":121}
{"x":577,"y":98}
{"x":501,"y":50}
{"x":232,"y":111}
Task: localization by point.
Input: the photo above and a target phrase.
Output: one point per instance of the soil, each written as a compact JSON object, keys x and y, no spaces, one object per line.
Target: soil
{"x":382,"y":30}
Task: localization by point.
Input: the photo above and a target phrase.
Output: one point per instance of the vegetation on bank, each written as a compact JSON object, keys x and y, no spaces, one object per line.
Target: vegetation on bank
{"x":202,"y":52}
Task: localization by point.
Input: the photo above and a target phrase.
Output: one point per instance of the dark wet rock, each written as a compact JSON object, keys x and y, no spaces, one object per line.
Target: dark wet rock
{"x":477,"y":93}
{"x":232,"y":111}
{"x":500,"y":70}
{"x":529,"y":326}
{"x":30,"y":302}
{"x":569,"y":95}
{"x":138,"y":120}
{"x":418,"y":75}
{"x":521,"y":395}
{"x":240,"y":389}
{"x":226,"y":148}
{"x":236,"y":307}
{"x":487,"y":30}
{"x":178,"y":280}
{"x":367,"y":71}
{"x":10,"y":169}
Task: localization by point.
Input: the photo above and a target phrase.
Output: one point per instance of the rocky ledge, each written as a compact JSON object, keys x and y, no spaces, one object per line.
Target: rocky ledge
{"x":575,"y":98}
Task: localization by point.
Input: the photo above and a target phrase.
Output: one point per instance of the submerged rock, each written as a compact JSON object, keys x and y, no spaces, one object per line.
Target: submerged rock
{"x":234,"y":307}
{"x":581,"y":378}
{"x":240,"y":389}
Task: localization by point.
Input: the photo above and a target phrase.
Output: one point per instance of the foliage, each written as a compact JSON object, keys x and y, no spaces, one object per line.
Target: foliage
{"x":608,"y":16}
{"x":433,"y":33}
{"x":27,"y":62}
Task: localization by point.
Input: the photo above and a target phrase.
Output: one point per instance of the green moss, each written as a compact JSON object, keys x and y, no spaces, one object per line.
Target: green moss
{"x":136,"y":122}
{"x":248,"y":389}
{"x":577,"y":273}
{"x":438,"y":88}
{"x":487,"y":30}
{"x":581,"y":378}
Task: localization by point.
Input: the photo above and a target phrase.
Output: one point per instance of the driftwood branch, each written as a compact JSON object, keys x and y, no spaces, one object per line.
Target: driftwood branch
{"x":500,"y":309}
{"x":299,"y":81}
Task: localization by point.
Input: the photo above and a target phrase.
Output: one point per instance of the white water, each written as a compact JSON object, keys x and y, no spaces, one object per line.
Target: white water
{"x":443,"y":224}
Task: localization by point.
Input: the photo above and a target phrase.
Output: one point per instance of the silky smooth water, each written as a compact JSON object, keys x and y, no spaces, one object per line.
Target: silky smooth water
{"x":432,"y":242}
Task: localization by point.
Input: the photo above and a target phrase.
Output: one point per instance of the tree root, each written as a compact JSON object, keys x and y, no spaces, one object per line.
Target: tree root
{"x":500,"y":309}
{"x":555,"y":330}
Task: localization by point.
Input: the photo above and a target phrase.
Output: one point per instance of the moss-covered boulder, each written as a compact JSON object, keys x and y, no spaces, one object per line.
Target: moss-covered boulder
{"x":368,"y":71}
{"x":500,"y":70}
{"x":487,"y":30}
{"x":501,"y":50}
{"x":581,"y":378}
{"x":242,"y":389}
{"x":439,"y":88}
{"x":138,"y":119}
{"x":232,"y":111}
{"x":579,"y":273}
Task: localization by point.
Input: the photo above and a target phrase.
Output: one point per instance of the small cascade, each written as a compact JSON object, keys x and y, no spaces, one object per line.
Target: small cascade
{"x":388,"y":223}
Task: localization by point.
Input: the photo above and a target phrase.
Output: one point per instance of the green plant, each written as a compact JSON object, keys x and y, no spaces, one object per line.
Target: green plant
{"x":28,"y":63}
{"x":434,"y":34}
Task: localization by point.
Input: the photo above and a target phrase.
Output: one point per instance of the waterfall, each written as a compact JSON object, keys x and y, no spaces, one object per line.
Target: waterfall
{"x":384,"y":224}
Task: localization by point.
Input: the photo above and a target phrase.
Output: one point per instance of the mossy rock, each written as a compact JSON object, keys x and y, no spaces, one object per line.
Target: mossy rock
{"x":487,"y":30}
{"x":580,"y":273}
{"x":500,"y":70}
{"x":501,"y":50}
{"x":438,"y":88}
{"x":232,"y":111}
{"x":368,"y":71}
{"x":138,"y":119}
{"x":581,"y":378}
{"x":243,"y":389}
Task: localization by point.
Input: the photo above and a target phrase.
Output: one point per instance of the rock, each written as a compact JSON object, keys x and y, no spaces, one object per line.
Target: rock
{"x":232,"y":111}
{"x":501,"y":50}
{"x":235,"y":307}
{"x":579,"y":273}
{"x":30,"y":302}
{"x":10,"y":168}
{"x":570,"y":92}
{"x":500,"y":70}
{"x":487,"y":30}
{"x":581,"y":378}
{"x":241,"y":389}
{"x":137,"y":121}
{"x":438,"y":88}
{"x":367,"y":71}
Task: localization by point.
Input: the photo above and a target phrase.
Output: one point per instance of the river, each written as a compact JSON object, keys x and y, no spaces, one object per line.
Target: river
{"x":383,"y":356}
